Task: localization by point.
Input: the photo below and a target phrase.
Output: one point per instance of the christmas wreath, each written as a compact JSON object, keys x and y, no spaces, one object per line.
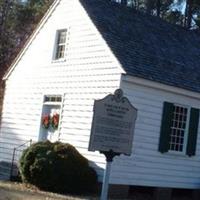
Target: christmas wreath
{"x":46,"y":121}
{"x":55,"y":121}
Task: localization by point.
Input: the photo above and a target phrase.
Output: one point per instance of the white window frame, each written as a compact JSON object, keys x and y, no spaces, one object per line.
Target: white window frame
{"x":56,"y":45}
{"x":52,"y":102}
{"x":186,"y":134}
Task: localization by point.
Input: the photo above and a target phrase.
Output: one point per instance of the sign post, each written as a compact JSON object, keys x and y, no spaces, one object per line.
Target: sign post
{"x":112,"y":130}
{"x":109,"y":158}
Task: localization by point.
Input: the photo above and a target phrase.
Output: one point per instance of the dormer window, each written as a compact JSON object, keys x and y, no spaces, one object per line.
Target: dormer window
{"x":61,"y":44}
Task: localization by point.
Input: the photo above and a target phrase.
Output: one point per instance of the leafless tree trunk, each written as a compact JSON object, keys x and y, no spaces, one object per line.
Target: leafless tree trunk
{"x":188,"y":14}
{"x":158,"y":6}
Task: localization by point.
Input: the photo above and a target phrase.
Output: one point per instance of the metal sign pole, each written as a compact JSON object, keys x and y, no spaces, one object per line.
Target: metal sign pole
{"x":104,"y":192}
{"x":109,"y":158}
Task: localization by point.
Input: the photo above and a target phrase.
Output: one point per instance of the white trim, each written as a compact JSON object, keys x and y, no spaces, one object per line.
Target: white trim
{"x":61,"y":115}
{"x":52,"y":103}
{"x":32,"y":37}
{"x":39,"y":119}
{"x":160,"y":86}
{"x":187,"y":130}
{"x":176,"y":153}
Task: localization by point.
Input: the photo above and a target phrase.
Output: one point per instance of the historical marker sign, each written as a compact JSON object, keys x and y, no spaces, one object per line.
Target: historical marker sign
{"x":113,"y":124}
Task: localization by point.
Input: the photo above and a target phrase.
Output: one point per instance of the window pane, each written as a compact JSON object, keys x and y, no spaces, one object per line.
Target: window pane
{"x":62,"y":37}
{"x":61,"y":51}
{"x":46,"y":98}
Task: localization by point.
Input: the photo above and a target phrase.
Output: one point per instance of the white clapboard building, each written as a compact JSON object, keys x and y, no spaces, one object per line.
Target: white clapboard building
{"x":83,"y":50}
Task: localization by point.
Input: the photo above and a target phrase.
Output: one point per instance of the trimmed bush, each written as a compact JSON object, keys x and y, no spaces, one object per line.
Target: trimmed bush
{"x":57,"y":167}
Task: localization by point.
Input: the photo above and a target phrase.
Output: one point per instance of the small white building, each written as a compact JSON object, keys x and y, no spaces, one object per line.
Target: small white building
{"x":84,"y":50}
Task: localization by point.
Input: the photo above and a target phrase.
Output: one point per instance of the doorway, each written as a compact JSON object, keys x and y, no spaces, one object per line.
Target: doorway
{"x":50,"y":119}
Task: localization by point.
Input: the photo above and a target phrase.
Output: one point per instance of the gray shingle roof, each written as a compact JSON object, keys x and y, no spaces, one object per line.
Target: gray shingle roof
{"x":148,"y":47}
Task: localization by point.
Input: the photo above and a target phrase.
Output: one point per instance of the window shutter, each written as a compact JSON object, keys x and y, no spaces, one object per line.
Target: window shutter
{"x":193,"y":131}
{"x":166,"y":123}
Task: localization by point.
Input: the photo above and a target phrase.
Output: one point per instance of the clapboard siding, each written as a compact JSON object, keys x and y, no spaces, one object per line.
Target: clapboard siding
{"x":89,"y":72}
{"x":147,"y":166}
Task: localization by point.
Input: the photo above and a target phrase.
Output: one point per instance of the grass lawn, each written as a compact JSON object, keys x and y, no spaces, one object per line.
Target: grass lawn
{"x":16,"y":191}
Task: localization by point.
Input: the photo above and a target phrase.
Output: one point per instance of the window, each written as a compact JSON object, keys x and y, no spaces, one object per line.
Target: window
{"x":61,"y":44}
{"x":52,"y":99}
{"x":179,"y":129}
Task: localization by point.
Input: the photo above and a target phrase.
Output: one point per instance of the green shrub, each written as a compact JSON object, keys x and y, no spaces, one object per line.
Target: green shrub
{"x":57,"y":167}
